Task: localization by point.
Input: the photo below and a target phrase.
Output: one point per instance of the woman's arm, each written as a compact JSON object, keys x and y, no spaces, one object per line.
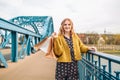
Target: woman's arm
{"x":57,"y":48}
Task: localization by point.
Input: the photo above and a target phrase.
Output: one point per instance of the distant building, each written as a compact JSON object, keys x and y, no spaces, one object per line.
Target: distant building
{"x":101,"y":41}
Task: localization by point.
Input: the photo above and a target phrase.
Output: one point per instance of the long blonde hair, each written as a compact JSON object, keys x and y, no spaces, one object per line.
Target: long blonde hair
{"x":61,"y":30}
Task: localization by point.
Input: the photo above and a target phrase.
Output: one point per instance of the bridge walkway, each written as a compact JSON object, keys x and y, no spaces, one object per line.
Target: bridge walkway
{"x":33,"y":67}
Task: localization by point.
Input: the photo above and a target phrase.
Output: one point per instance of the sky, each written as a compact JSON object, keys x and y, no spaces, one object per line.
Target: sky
{"x":87,"y":15}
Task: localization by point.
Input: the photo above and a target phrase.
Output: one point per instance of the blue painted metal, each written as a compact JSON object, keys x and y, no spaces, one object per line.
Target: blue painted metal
{"x":6,"y":41}
{"x":22,"y":52}
{"x":36,"y":41}
{"x":14,"y":50}
{"x":3,"y":60}
{"x":28,"y":45}
{"x":104,"y":69}
{"x":38,"y":27}
{"x":117,"y":74}
{"x":92,"y":69}
{"x":41,"y":25}
{"x":99,"y":61}
{"x":6,"y":25}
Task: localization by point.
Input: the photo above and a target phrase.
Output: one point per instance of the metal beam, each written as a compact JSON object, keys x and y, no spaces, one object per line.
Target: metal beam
{"x":4,"y":24}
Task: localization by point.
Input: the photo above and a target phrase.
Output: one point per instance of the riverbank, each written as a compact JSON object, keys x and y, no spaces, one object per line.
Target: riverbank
{"x":111,"y":52}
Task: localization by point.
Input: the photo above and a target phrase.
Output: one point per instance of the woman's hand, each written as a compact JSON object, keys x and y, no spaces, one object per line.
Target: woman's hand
{"x":93,"y":49}
{"x":54,"y":34}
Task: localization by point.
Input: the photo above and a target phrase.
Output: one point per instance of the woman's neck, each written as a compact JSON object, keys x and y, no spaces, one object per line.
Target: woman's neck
{"x":67,"y":35}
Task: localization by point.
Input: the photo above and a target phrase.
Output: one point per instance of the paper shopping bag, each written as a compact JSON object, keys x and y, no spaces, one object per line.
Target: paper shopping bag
{"x":38,"y":45}
{"x":46,"y":46}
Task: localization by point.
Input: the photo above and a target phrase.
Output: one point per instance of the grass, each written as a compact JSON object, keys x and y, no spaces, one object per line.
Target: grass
{"x":112,"y":52}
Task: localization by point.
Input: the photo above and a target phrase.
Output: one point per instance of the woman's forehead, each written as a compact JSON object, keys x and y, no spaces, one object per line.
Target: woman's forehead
{"x":67,"y":21}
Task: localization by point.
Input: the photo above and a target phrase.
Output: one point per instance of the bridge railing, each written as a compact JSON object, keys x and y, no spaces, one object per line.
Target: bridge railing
{"x":99,"y":66}
{"x":14,"y":30}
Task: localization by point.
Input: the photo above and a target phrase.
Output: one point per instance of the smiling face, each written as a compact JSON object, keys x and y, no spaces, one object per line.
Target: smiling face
{"x":66,"y":26}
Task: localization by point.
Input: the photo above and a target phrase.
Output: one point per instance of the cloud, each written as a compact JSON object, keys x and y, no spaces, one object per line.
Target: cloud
{"x":86,"y":14}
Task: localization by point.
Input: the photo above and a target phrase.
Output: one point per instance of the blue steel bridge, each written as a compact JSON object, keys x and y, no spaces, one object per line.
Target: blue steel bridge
{"x":22,"y":62}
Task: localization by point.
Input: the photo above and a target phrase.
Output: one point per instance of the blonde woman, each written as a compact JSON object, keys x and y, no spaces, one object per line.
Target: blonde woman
{"x":67,"y":47}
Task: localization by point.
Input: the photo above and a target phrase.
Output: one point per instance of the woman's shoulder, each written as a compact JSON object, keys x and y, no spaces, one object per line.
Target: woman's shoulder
{"x":57,"y":37}
{"x":75,"y":35}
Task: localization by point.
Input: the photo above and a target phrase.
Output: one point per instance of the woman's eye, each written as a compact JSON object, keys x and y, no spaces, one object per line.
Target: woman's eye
{"x":67,"y":24}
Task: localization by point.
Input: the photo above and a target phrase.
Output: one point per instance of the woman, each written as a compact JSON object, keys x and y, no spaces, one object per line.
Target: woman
{"x":67,"y":47}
